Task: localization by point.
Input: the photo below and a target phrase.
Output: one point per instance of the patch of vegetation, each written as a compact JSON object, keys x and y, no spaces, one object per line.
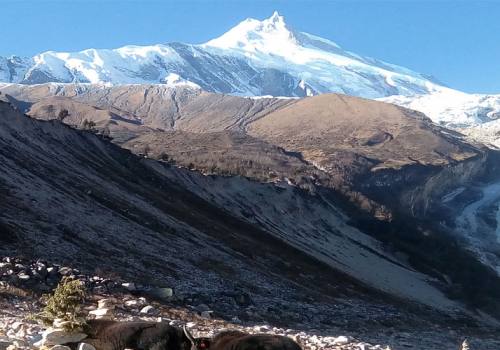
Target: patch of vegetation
{"x":65,"y":304}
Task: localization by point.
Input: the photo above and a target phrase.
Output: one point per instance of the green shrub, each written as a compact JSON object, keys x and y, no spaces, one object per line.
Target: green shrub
{"x":65,"y":304}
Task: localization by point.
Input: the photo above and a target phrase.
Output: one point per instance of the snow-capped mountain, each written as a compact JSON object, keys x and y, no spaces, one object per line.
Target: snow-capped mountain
{"x":254,"y":58}
{"x":257,"y":58}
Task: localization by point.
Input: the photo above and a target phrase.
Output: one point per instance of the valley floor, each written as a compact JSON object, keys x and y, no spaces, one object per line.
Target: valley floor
{"x":354,"y":327}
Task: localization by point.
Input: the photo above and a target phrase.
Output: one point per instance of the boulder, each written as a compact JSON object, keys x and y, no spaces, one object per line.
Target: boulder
{"x":101,"y":313}
{"x":59,"y":336}
{"x":148,"y":310}
{"x":341,"y":340}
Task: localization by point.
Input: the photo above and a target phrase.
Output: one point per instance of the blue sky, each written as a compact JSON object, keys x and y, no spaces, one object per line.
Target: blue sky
{"x":457,"y":41}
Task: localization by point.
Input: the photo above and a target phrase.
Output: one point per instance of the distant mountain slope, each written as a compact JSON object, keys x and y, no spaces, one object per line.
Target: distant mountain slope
{"x":385,"y":158}
{"x":71,"y":196}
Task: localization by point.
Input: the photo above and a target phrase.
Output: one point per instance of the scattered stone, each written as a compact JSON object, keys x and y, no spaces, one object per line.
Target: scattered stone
{"x":85,"y":346}
{"x":108,"y":303}
{"x":59,"y":323}
{"x":15,"y":326}
{"x":148,"y":310}
{"x":23,"y":276}
{"x":342,"y":340}
{"x":101,"y":313}
{"x":59,"y":336}
{"x":262,"y":329}
{"x":129,"y":286}
{"x":65,"y":271}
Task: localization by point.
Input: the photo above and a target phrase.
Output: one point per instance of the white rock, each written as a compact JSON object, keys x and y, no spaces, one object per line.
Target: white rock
{"x":23,"y":276}
{"x":148,"y":310}
{"x":107,"y":303}
{"x":262,"y":329}
{"x":16,"y":325}
{"x":342,"y":340}
{"x":85,"y":346}
{"x":101,"y":313}
{"x":60,"y":323}
{"x":132,"y":303}
{"x":59,"y":336}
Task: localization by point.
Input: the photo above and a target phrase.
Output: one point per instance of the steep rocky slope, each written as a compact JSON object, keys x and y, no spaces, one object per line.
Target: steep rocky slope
{"x":73,"y":197}
{"x":391,"y":162}
{"x":359,"y":144}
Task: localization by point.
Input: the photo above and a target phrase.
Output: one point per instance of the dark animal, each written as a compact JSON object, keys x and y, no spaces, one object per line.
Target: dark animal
{"x":236,"y":340}
{"x":113,"y":335}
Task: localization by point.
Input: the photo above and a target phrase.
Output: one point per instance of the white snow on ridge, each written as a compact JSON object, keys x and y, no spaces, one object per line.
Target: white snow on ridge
{"x":451,"y":107}
{"x":175,"y":80}
{"x":321,"y":63}
{"x":475,"y":115}
{"x":232,"y":64}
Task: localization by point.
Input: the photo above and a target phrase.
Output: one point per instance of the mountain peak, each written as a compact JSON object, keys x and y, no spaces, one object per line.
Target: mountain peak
{"x":276,"y":17}
{"x":255,"y":35}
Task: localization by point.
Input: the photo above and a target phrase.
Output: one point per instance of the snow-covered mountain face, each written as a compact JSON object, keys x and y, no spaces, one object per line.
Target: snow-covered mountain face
{"x":254,"y":58}
{"x":475,"y":115}
{"x":258,"y":58}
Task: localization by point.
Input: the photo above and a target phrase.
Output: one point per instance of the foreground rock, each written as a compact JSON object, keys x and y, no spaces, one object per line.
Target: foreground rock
{"x":59,"y":336}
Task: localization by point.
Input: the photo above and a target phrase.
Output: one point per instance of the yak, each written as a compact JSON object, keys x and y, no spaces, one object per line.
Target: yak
{"x":137,"y":335}
{"x":236,"y":340}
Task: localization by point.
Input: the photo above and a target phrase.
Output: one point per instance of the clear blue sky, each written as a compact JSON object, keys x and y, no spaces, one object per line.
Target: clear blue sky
{"x":456,"y":41}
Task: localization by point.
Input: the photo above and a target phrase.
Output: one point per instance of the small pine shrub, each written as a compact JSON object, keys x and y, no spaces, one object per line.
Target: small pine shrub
{"x":66,"y":304}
